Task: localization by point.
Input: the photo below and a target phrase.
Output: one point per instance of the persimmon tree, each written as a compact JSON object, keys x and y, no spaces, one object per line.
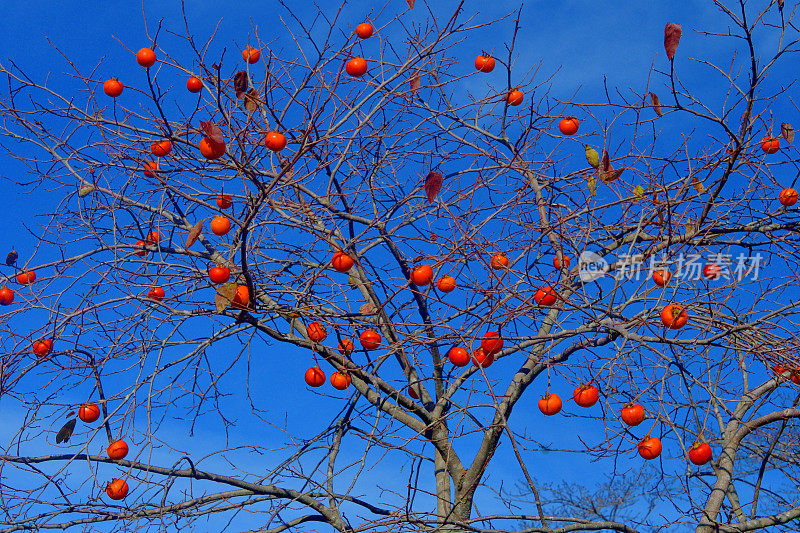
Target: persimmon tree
{"x":447,"y":249}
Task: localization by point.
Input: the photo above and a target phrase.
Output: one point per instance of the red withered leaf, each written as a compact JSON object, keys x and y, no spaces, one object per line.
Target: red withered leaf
{"x":240,"y":83}
{"x":194,"y":233}
{"x":410,"y":3}
{"x":605,"y":162}
{"x":433,"y":184}
{"x":212,"y":131}
{"x":672,"y":36}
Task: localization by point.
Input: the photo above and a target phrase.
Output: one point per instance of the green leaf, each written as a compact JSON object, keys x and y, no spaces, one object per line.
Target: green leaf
{"x":592,"y":157}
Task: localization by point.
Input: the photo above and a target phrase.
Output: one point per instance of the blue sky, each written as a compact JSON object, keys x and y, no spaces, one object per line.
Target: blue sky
{"x":585,"y":40}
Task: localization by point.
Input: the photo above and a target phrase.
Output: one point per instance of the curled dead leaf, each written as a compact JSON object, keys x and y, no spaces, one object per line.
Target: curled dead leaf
{"x":656,"y":104}
{"x":240,"y":83}
{"x":194,"y":233}
{"x":415,"y":81}
{"x":410,"y":3}
{"x":672,"y":36}
{"x":66,"y":431}
{"x":788,"y":132}
{"x":698,"y":185}
{"x":611,"y":174}
{"x":367,"y":309}
{"x":224,"y":297}
{"x":212,"y":131}
{"x":605,"y":162}
{"x":638,"y":191}
{"x":252,"y":101}
{"x":433,"y":184}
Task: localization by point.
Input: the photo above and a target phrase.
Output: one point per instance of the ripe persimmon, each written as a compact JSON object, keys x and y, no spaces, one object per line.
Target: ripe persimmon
{"x":446,"y":283}
{"x":113,"y":87}
{"x":220,"y":225}
{"x":315,"y":377}
{"x":117,"y":489}
{"x":568,"y":125}
{"x":212,"y":150}
{"x":275,"y":141}
{"x":515,"y":97}
{"x":550,"y":404}
{"x":6,"y":295}
{"x":340,"y":380}
{"x":194,"y":84}
{"x":117,"y":450}
{"x":356,"y":67}
{"x":146,"y":57}
{"x":370,"y":339}
{"x":251,"y":55}
{"x":364,"y":30}
{"x":26,"y":277}
{"x":89,"y":412}
{"x":421,"y":275}
{"x":342,"y":262}
{"x":219,"y":275}
{"x":161,"y":148}
{"x":484,"y":63}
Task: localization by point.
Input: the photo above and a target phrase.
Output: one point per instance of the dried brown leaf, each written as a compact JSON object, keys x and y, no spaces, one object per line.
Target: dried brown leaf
{"x":240,"y":83}
{"x":672,"y":36}
{"x":410,"y":3}
{"x":224,"y":297}
{"x":367,"y":309}
{"x":698,"y":184}
{"x":194,"y":233}
{"x":433,"y":184}
{"x":611,"y":175}
{"x":11,"y":258}
{"x":788,"y":132}
{"x":415,"y":81}
{"x":252,"y":101}
{"x":656,"y":104}
{"x":212,"y":131}
{"x":638,"y":191}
